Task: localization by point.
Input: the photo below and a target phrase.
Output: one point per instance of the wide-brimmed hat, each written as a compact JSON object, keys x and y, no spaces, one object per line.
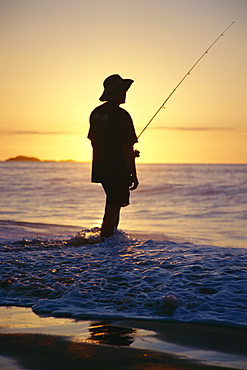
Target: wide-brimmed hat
{"x":114,"y":85}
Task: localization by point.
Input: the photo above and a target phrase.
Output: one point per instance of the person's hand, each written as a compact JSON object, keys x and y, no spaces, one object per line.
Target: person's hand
{"x":137,"y":153}
{"x":134,"y":182}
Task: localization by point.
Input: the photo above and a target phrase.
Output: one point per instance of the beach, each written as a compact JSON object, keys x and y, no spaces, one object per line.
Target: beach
{"x":166,"y":291}
{"x":50,"y":343}
{"x":92,"y":275}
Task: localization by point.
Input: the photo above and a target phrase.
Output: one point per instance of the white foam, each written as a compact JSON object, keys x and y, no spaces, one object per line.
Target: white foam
{"x":126,"y":278}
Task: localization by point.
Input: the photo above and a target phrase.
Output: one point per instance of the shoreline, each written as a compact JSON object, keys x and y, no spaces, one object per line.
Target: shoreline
{"x":133,"y":344}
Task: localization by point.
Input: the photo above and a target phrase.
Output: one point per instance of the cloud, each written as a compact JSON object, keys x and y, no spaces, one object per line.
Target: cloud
{"x":34,"y":132}
{"x":194,"y":128}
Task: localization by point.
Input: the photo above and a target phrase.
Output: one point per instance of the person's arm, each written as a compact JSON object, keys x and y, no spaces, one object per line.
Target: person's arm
{"x":129,"y":156}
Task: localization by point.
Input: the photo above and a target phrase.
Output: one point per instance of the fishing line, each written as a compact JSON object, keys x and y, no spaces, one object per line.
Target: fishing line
{"x":187,"y":74}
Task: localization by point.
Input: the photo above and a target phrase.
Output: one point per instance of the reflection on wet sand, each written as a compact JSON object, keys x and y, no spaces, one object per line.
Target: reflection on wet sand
{"x":45,"y":343}
{"x":103,"y":333}
{"x":50,"y":352}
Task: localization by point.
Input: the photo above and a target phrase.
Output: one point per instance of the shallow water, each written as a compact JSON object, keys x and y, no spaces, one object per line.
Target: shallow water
{"x":123,"y":277}
{"x":193,"y":270}
{"x":203,"y":204}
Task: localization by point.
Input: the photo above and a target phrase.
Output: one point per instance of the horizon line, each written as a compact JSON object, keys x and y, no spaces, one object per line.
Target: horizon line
{"x":23,"y":158}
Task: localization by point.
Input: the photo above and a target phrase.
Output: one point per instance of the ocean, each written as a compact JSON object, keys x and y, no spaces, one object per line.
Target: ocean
{"x":180,"y":254}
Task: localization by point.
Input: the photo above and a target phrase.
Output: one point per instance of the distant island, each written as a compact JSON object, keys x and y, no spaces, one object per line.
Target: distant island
{"x":22,"y":158}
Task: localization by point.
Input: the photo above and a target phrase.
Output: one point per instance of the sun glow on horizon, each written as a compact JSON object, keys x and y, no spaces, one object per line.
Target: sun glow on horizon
{"x":54,"y":61}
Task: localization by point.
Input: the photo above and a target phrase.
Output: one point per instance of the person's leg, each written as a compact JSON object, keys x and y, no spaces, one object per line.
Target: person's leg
{"x":117,"y":219}
{"x":110,"y":220}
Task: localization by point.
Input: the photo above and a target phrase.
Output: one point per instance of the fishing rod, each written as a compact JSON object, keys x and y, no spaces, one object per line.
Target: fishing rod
{"x":187,"y":74}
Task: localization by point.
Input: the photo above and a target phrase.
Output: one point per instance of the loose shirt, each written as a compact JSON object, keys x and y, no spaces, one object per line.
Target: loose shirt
{"x":111,"y":127}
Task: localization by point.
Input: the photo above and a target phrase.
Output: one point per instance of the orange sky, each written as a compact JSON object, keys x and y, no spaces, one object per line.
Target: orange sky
{"x":55,"y":55}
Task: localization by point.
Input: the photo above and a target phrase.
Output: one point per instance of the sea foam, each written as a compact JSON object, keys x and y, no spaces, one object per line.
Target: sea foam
{"x":123,"y":277}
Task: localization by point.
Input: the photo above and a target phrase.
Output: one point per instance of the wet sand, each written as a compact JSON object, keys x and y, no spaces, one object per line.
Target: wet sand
{"x":28,"y":341}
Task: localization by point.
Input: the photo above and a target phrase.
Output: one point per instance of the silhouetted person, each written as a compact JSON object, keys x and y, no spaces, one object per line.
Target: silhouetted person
{"x":112,"y":135}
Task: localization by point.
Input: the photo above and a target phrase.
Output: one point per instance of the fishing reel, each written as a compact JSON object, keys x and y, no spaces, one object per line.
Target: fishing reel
{"x":137,"y":153}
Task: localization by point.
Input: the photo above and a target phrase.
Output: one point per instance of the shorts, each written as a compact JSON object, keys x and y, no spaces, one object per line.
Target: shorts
{"x":117,"y":194}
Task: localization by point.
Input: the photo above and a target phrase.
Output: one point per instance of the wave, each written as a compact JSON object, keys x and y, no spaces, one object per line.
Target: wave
{"x":201,"y":190}
{"x":79,"y":277}
{"x":14,"y":230}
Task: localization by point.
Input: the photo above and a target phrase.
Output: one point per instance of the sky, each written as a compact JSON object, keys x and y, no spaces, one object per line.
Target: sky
{"x":55,"y":55}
